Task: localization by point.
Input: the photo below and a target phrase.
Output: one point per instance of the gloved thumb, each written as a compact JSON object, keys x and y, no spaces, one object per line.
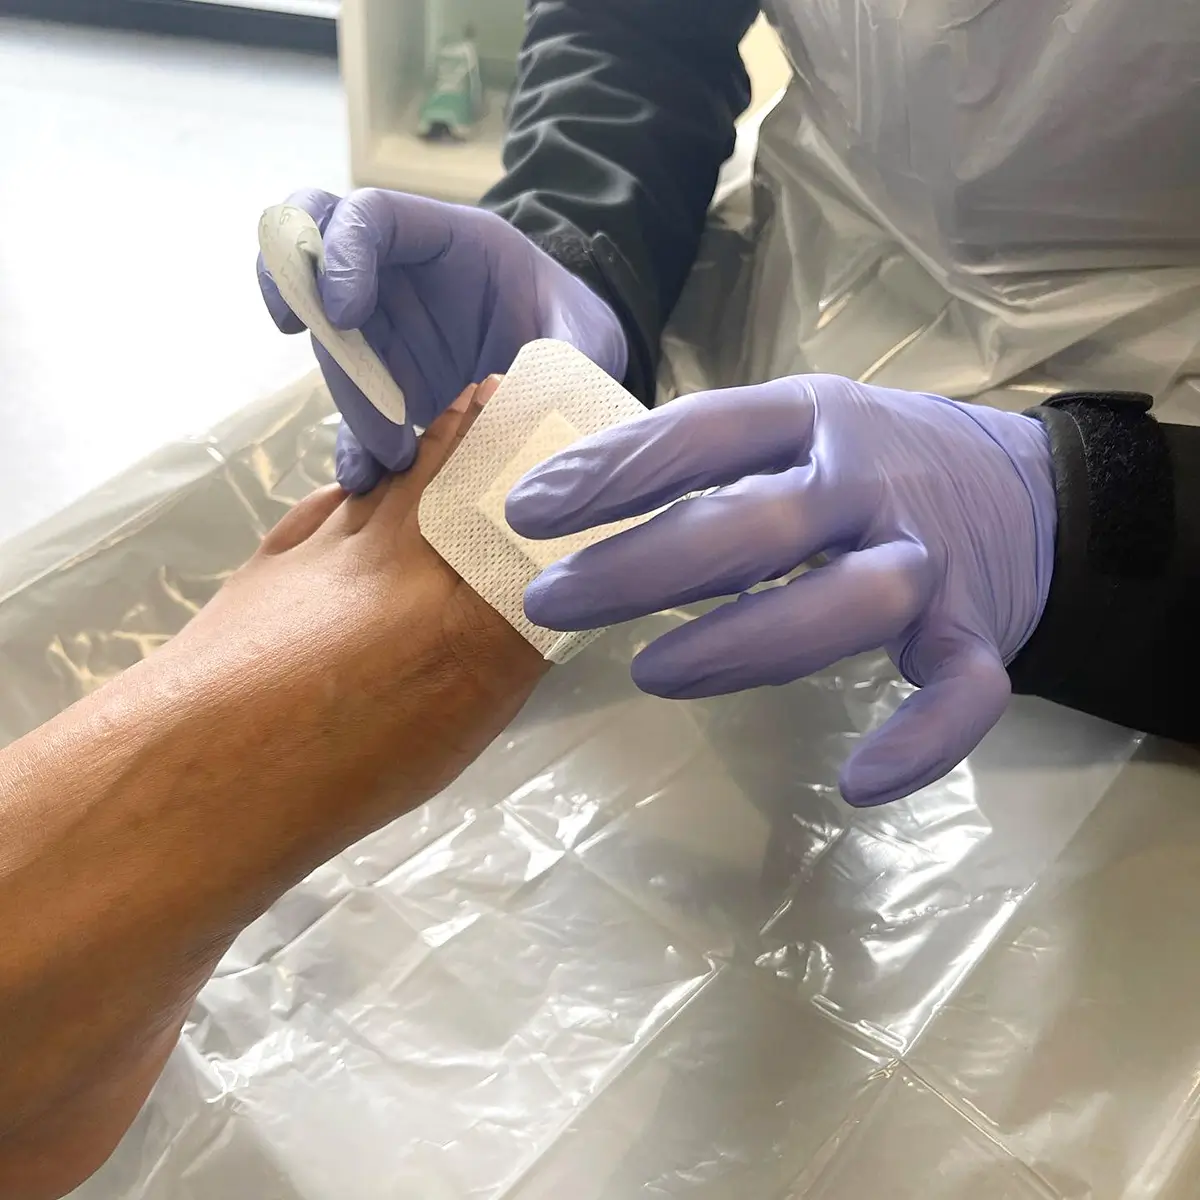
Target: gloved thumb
{"x":933,"y":730}
{"x":393,"y":447}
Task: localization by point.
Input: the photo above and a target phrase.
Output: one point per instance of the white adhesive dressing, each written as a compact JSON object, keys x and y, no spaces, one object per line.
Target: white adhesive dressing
{"x":552,"y":396}
{"x":294,"y":254}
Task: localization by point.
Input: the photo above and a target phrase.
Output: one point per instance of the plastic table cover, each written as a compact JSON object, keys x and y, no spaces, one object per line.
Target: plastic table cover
{"x":641,"y":948}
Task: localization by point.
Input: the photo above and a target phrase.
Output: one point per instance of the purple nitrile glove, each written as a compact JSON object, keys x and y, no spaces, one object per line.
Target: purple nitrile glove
{"x":938,"y":520}
{"x":446,"y":296}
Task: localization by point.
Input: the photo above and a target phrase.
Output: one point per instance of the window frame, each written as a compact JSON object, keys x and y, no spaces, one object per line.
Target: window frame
{"x":237,"y":24}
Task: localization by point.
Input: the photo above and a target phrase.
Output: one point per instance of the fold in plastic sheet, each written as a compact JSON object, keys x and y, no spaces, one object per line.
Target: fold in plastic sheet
{"x":641,"y":948}
{"x":936,"y":206}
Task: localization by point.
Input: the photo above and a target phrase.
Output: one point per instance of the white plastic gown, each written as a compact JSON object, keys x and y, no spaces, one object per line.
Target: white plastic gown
{"x":642,"y":949}
{"x":968,"y":197}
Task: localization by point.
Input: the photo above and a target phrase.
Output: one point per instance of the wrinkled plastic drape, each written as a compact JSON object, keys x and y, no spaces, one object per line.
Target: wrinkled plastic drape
{"x":979,"y":198}
{"x":641,"y":947}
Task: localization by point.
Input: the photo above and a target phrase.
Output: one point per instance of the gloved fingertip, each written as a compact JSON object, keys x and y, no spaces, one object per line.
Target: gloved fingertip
{"x":285,"y":320}
{"x":529,"y":510}
{"x":559,"y":599}
{"x":858,"y":797}
{"x":655,"y":676}
{"x":360,"y":476}
{"x":516,"y":506}
{"x":402,"y":452}
{"x":868,"y":782}
{"x":357,"y":471}
{"x":540,"y":603}
{"x":347,"y":298}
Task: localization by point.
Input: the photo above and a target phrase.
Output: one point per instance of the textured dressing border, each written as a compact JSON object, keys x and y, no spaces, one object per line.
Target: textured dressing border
{"x":551,"y":396}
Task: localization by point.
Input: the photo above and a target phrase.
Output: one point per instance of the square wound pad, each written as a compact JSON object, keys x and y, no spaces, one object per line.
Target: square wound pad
{"x":552,"y":396}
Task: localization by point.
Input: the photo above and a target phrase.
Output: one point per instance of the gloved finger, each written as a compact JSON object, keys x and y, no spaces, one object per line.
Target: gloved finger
{"x":700,"y":441}
{"x":319,"y":205}
{"x":393,"y":446}
{"x":357,"y":469}
{"x":715,"y":545}
{"x":432,"y":365}
{"x":400,"y":498}
{"x":856,"y":603}
{"x":932,"y":731}
{"x":397,"y":497}
{"x":371,"y":229}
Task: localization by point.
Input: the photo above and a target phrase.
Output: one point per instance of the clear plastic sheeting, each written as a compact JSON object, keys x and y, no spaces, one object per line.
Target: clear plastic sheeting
{"x":641,"y":948}
{"x":969,"y":197}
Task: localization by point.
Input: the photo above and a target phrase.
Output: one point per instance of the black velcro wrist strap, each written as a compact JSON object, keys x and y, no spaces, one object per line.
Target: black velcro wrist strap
{"x":1109,"y":440}
{"x":600,"y":265}
{"x":1114,"y":558}
{"x":637,"y":311}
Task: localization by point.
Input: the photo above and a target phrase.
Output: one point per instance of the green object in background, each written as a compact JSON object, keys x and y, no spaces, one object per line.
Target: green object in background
{"x":454,"y":102}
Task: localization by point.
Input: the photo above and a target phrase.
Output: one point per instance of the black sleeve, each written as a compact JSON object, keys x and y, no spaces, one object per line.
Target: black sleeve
{"x":622,"y":116}
{"x":1120,"y":636}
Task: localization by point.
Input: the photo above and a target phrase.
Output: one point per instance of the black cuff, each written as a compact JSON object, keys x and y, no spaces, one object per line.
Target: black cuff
{"x":600,"y":265}
{"x":1115,"y":562}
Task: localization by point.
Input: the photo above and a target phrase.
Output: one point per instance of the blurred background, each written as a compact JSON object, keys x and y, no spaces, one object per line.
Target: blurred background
{"x":141,"y":140}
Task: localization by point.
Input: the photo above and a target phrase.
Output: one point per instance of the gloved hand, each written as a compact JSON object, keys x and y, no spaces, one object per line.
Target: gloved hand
{"x":938,"y":520}
{"x":446,"y":296}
